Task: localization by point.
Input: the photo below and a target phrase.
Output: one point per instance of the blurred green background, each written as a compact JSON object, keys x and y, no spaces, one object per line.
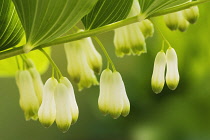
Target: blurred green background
{"x":183,"y":114}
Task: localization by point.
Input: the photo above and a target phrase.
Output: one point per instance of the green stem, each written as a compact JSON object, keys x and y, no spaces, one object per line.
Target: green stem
{"x":105,"y":53}
{"x":18,"y":64}
{"x":75,"y":36}
{"x":163,"y":45}
{"x":106,"y":28}
{"x":52,"y":63}
{"x":164,"y":37}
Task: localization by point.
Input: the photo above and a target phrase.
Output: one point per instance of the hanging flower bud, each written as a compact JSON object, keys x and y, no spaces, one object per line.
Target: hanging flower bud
{"x":38,"y":84}
{"x":183,"y":23}
{"x":28,"y":99}
{"x":73,"y":103}
{"x":93,"y":57}
{"x":63,"y":111}
{"x":129,"y":40}
{"x":158,"y":76}
{"x":66,"y":106}
{"x":191,"y":14}
{"x":78,"y":67}
{"x":172,"y":20}
{"x":47,"y":110}
{"x":172,"y":74}
{"x":113,"y":99}
{"x":147,"y":28}
{"x":103,"y":100}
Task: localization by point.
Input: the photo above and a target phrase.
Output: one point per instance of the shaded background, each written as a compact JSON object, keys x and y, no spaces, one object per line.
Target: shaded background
{"x":182,"y":114}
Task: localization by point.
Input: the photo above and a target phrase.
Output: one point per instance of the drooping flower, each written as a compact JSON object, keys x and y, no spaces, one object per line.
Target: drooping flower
{"x":73,"y":103}
{"x":113,"y":99}
{"x":181,"y":19}
{"x":191,"y":14}
{"x":172,"y":73}
{"x":94,"y":59}
{"x":47,"y":110}
{"x":158,"y":75}
{"x":130,"y":39}
{"x":183,"y":23}
{"x":29,"y":102}
{"x":66,"y":107}
{"x":147,"y":28}
{"x":172,"y":20}
{"x":38,"y":84}
{"x":78,"y":66}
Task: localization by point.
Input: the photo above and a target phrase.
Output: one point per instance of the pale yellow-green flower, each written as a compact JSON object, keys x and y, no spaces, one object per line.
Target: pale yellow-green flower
{"x":94,"y":59}
{"x":129,"y":40}
{"x":158,"y":75}
{"x":191,"y":14}
{"x":172,"y":73}
{"x":147,"y":28}
{"x":113,"y":99}
{"x":183,"y":23}
{"x":47,"y":110}
{"x":172,"y":20}
{"x":78,"y":66}
{"x":29,"y":102}
{"x":38,"y":84}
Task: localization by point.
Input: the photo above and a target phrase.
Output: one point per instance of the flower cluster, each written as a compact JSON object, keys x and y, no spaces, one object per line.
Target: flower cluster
{"x":130,"y":39}
{"x":172,"y":74}
{"x":181,"y":19}
{"x":31,"y":89}
{"x":55,"y":100}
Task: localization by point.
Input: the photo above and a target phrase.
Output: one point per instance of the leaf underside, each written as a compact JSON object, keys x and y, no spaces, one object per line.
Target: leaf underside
{"x":9,"y":66}
{"x":149,"y":7}
{"x":106,"y":12}
{"x":11,"y":31}
{"x":45,"y":20}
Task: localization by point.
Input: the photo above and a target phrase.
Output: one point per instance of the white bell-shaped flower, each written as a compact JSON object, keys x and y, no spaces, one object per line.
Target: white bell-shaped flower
{"x":113,"y":99}
{"x":172,"y":74}
{"x":47,"y":110}
{"x":78,"y":67}
{"x":191,"y":14}
{"x":158,"y":75}
{"x":73,"y":103}
{"x":63,"y":111}
{"x":29,"y":102}
{"x":66,"y":106}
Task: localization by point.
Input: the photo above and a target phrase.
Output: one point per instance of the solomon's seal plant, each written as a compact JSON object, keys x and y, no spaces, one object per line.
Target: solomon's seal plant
{"x":30,"y":27}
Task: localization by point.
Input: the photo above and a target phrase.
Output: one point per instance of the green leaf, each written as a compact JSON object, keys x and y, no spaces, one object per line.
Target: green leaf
{"x":45,"y":20}
{"x":9,"y":66}
{"x":106,"y":12}
{"x":11,"y":31}
{"x":149,"y":7}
